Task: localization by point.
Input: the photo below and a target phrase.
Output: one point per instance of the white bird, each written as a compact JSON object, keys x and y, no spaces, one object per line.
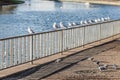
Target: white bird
{"x":104,"y":67}
{"x":85,"y":22}
{"x":91,"y":58}
{"x":81,"y":22}
{"x":96,"y":21}
{"x":58,"y":60}
{"x":115,"y":66}
{"x":102,"y":19}
{"x":30,"y":30}
{"x":101,"y":68}
{"x":99,"y":20}
{"x":108,"y":18}
{"x":55,"y":25}
{"x":90,"y":21}
{"x":62,"y":26}
{"x":74,"y":23}
{"x":70,"y":24}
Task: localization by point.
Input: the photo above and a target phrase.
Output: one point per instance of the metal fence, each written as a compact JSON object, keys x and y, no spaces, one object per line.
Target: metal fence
{"x":21,"y":49}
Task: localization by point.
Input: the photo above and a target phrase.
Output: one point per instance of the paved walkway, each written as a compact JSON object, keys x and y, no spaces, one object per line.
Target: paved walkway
{"x":17,"y":70}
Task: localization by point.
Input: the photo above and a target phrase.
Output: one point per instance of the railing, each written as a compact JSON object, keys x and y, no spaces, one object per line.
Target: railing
{"x":22,"y":49}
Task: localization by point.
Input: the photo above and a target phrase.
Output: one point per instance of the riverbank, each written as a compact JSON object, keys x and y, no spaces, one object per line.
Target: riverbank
{"x":3,"y":2}
{"x":108,"y":2}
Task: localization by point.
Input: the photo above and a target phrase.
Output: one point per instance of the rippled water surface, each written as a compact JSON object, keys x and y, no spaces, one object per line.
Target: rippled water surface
{"x":40,"y":15}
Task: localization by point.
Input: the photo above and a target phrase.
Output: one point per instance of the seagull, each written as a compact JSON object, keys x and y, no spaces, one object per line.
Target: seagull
{"x":96,"y":21}
{"x":30,"y":30}
{"x":99,"y":20}
{"x":102,"y":19}
{"x":85,"y":22}
{"x":74,"y":23}
{"x":91,"y":58}
{"x":97,"y":62}
{"x":101,"y":68}
{"x":90,"y":21}
{"x":58,"y":60}
{"x":115,"y":66}
{"x":108,"y":18}
{"x":55,"y":25}
{"x":81,"y":22}
{"x":70,"y":24}
{"x":62,"y":26}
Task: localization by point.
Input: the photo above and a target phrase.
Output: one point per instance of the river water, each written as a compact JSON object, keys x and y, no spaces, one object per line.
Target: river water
{"x":40,"y":15}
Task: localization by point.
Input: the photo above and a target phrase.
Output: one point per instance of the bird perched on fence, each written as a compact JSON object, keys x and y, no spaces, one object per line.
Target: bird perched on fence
{"x":62,"y":26}
{"x":55,"y":25}
{"x":102,"y":19}
{"x":99,"y":20}
{"x":90,"y":21}
{"x":70,"y":24}
{"x":85,"y":22}
{"x":30,"y":30}
{"x":107,"y":18}
{"x":96,"y":21}
{"x":81,"y":22}
{"x":74,"y":24}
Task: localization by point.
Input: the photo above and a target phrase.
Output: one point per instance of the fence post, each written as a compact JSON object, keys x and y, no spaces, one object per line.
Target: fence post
{"x":83,"y":36}
{"x":31,"y":50}
{"x":62,"y":41}
{"x":100,"y":33}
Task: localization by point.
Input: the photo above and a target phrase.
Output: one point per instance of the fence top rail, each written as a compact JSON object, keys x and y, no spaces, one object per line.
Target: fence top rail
{"x":77,"y":26}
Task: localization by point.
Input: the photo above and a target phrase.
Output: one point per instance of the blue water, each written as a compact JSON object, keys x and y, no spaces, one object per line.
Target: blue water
{"x":40,"y":15}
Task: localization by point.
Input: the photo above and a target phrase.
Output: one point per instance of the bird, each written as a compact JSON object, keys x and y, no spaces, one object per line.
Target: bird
{"x":74,"y":23}
{"x":91,"y":58}
{"x":70,"y":24}
{"x":81,"y":22}
{"x":102,"y":19}
{"x":97,"y":62}
{"x":99,"y":20}
{"x":101,"y":68}
{"x":30,"y":30}
{"x":55,"y":25}
{"x":114,"y":66}
{"x":90,"y":21}
{"x":62,"y":26}
{"x":58,"y":60}
{"x":85,"y":22}
{"x":108,"y":18}
{"x":96,"y":21}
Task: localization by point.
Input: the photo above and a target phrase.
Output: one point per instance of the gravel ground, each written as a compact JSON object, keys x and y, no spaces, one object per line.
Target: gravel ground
{"x":88,"y":69}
